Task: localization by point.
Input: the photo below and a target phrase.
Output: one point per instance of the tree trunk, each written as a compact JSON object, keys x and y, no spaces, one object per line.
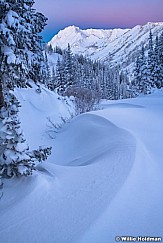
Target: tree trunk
{"x":1,"y":96}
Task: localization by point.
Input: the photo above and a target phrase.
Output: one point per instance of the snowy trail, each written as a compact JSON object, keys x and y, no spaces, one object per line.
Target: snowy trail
{"x":64,"y":206}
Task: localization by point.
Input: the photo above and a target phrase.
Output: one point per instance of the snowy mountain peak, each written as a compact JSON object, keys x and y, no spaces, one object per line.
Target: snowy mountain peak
{"x":89,"y":38}
{"x":70,"y":34}
{"x":71,"y":28}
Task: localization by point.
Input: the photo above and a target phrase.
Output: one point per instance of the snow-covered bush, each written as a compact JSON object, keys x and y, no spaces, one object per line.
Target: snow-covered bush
{"x":84,"y":98}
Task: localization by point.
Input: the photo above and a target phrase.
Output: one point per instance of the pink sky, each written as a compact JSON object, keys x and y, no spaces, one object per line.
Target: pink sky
{"x":98,"y":13}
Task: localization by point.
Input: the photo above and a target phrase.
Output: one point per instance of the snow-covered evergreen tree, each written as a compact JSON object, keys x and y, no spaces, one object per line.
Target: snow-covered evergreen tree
{"x":65,"y":74}
{"x":15,"y":157}
{"x":52,"y":81}
{"x":69,"y":67}
{"x":160,"y":58}
{"x":142,"y":82}
{"x":21,"y":52}
{"x":151,"y":61}
{"x":47,"y":73}
{"x":60,"y":77}
{"x":157,"y":66}
{"x":21,"y":60}
{"x":123,"y":85}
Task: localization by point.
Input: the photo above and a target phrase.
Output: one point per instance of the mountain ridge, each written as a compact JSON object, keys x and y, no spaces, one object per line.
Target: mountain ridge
{"x":74,"y":30}
{"x":116,"y":46}
{"x":100,"y":33}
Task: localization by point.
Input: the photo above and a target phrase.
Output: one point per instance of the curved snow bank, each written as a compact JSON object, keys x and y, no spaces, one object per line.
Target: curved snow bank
{"x":119,"y":105}
{"x":87,"y":138}
{"x":136,"y":210}
{"x":62,"y":207}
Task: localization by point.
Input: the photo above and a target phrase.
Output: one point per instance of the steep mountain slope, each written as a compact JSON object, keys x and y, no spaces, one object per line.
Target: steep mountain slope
{"x":118,"y":46}
{"x":85,"y":40}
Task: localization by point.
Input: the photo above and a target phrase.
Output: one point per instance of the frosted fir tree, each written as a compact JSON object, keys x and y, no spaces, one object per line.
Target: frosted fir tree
{"x":52,"y":82}
{"x":60,"y":77}
{"x":145,"y":84}
{"x":160,"y":58}
{"x":123,"y":85}
{"x":137,"y":75}
{"x":50,"y":49}
{"x":21,"y":59}
{"x":1,"y":94}
{"x":69,"y":67}
{"x":15,"y":157}
{"x":151,"y":61}
{"x":21,"y":51}
{"x":47,"y":73}
{"x":141,"y":82}
{"x":157,"y":67}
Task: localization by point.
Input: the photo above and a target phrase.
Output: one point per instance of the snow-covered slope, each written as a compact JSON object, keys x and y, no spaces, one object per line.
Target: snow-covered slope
{"x":103,"y":179}
{"x":86,"y":40}
{"x":38,"y":111}
{"x":119,"y":46}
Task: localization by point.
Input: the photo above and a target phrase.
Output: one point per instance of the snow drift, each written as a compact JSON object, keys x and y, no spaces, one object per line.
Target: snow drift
{"x":103,"y":179}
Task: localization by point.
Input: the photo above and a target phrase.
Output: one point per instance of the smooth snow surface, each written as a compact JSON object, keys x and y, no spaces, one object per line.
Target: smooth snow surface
{"x":103,"y":179}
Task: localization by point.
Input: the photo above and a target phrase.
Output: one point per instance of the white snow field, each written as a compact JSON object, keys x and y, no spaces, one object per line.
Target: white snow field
{"x":103,"y":179}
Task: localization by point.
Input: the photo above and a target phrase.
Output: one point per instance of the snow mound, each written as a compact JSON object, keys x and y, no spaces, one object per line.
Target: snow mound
{"x":61,"y":202}
{"x":87,"y":138}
